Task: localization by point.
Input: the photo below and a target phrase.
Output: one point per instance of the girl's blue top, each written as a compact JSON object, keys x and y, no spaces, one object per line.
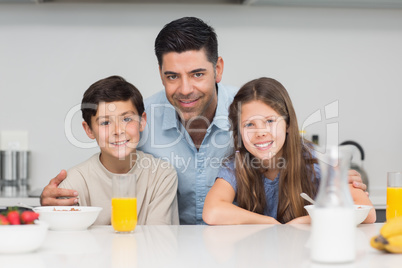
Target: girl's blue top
{"x":271,"y":187}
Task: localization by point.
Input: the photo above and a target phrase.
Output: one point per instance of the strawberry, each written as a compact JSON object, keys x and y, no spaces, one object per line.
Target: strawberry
{"x":14,"y":217}
{"x":3,"y":220}
{"x":28,"y":217}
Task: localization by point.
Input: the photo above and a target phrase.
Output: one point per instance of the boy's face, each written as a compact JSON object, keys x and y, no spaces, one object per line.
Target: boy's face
{"x":116,"y":128}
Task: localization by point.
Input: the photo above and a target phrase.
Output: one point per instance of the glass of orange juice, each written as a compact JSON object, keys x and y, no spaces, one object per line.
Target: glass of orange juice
{"x":124,"y":203}
{"x":394,"y":195}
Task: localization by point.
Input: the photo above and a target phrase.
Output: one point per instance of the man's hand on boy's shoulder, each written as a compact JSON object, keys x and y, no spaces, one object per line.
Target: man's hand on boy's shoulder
{"x":51,"y":193}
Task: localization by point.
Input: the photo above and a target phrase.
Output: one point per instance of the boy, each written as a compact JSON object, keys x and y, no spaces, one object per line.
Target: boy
{"x":113,"y":113}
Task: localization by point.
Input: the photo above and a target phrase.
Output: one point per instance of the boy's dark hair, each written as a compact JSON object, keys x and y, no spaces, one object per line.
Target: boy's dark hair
{"x":113,"y":88}
{"x":188,"y":33}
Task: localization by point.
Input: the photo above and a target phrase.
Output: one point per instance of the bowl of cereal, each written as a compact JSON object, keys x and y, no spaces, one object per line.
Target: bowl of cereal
{"x":361,"y":212}
{"x":67,"y":218}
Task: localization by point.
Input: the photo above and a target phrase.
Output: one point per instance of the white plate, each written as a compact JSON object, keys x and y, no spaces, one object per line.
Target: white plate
{"x":61,"y":218}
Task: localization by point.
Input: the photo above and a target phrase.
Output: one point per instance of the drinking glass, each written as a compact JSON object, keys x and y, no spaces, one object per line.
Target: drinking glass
{"x":124,"y":203}
{"x":394,"y":195}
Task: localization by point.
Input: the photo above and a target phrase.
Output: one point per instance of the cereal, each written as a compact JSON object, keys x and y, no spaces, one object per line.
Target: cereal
{"x":72,"y":209}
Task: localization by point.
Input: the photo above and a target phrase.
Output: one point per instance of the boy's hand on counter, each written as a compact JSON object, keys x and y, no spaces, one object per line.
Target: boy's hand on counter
{"x":51,"y":194}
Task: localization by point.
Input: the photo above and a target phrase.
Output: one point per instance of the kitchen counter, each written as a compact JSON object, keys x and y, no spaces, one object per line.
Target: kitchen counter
{"x":13,"y":201}
{"x":193,"y":246}
{"x":34,"y":202}
{"x":379,"y":202}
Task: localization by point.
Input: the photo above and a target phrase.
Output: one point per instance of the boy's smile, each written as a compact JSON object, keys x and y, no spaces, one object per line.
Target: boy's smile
{"x":116,"y":128}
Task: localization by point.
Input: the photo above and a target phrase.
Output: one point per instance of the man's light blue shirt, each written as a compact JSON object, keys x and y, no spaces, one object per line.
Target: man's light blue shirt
{"x":166,"y":138}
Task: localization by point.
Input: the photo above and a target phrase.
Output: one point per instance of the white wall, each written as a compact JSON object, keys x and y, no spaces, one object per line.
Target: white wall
{"x":51,"y":53}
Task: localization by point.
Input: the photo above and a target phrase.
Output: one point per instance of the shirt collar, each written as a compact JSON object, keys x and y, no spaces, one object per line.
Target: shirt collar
{"x":170,"y":119}
{"x":221,"y":119}
{"x":169,"y":116}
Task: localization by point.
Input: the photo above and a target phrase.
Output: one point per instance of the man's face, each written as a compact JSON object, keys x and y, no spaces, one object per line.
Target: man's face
{"x":189,"y":80}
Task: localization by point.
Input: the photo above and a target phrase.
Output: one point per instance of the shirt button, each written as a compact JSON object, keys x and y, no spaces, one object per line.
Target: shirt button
{"x":200,"y":199}
{"x":200,"y":170}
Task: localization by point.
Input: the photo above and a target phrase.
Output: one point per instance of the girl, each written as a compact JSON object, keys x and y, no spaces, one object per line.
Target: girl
{"x":271,"y":163}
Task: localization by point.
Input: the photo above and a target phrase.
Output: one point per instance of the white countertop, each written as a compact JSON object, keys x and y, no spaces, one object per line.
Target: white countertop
{"x":192,"y":246}
{"x":13,"y":201}
{"x":378,"y":202}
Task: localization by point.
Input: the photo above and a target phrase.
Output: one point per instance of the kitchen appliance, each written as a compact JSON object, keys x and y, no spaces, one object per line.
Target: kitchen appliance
{"x":14,"y":173}
{"x":22,"y":174}
{"x":353,"y":165}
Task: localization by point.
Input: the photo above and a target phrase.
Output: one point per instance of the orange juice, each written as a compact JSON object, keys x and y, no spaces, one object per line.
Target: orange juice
{"x":124,"y":214}
{"x":394,"y":202}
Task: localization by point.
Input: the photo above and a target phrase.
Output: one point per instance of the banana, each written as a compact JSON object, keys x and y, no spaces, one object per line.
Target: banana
{"x":390,"y":237}
{"x":394,"y":244}
{"x":392,"y":228}
{"x":377,"y":242}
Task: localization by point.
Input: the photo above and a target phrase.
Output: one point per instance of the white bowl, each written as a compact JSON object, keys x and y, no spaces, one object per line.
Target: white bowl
{"x":361,"y":212}
{"x":62,"y":218}
{"x":22,"y":238}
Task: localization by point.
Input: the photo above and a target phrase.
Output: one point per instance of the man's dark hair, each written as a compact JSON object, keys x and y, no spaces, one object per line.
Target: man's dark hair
{"x":113,"y":88}
{"x":188,"y":33}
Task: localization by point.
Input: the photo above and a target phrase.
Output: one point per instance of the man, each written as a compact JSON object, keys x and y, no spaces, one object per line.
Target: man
{"x":188,"y":122}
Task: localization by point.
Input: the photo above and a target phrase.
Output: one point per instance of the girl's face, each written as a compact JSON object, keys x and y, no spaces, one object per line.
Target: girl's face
{"x":263,"y":130}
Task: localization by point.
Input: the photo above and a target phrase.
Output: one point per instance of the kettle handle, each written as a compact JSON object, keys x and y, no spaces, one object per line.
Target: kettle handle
{"x":355,"y":144}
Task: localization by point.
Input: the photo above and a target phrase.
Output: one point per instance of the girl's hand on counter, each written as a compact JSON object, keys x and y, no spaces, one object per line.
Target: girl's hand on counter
{"x":300,"y":220}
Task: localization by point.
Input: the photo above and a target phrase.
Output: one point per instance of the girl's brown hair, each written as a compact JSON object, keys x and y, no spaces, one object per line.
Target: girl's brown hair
{"x":298,"y":171}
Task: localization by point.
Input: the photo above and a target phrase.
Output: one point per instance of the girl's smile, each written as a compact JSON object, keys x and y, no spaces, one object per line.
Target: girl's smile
{"x":264,"y":145}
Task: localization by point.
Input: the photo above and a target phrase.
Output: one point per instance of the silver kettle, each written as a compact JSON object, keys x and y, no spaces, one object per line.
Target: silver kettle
{"x":358,"y":168}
